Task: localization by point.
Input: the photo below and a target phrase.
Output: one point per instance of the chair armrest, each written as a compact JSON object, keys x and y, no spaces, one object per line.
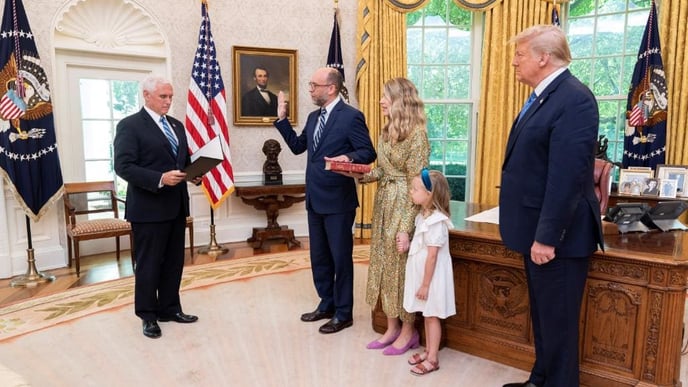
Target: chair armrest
{"x":68,"y":205}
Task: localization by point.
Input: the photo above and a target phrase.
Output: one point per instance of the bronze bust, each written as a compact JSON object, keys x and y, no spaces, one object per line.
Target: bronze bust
{"x":272,"y":172}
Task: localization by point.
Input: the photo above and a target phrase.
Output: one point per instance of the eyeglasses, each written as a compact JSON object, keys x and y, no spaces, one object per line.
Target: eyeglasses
{"x":313,"y":85}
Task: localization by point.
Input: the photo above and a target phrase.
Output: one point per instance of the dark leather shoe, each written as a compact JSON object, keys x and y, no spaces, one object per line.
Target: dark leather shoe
{"x":180,"y":318}
{"x":151,"y":329}
{"x":524,"y":384}
{"x":316,"y":315}
{"x":335,"y":325}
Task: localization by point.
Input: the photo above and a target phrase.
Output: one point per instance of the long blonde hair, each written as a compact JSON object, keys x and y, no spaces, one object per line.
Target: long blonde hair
{"x":406,"y":111}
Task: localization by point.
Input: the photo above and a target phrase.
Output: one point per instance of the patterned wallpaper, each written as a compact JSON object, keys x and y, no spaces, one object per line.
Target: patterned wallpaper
{"x":303,"y":25}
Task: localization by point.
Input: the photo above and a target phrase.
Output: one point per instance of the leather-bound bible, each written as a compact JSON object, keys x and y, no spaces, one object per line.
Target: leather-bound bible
{"x":341,"y":166}
{"x":204,"y":159}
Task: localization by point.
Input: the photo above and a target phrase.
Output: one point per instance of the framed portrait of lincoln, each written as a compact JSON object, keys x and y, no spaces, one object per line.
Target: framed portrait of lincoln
{"x":259,"y":75}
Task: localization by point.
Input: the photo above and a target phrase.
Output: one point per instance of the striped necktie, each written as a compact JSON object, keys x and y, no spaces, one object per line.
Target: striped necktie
{"x":319,"y":129}
{"x":169,"y":134}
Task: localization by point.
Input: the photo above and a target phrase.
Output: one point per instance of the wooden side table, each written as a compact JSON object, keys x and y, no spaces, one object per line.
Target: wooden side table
{"x":271,"y":199}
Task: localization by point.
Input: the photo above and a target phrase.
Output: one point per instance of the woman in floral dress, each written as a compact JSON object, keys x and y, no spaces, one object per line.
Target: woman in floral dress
{"x":403,"y":151}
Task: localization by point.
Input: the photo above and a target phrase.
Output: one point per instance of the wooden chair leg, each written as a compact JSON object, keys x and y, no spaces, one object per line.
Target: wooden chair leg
{"x":191,"y":242}
{"x":69,"y":251}
{"x":131,"y":251}
{"x":76,"y":257}
{"x":117,"y":247}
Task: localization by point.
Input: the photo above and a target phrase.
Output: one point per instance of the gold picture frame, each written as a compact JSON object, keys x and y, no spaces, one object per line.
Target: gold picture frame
{"x":280,"y":66}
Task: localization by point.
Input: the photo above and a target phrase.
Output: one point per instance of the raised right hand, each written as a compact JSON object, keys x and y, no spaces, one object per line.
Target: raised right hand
{"x":281,"y":106}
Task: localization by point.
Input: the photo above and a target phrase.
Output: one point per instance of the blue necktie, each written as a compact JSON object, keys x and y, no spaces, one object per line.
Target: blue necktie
{"x":168,"y":133}
{"x":529,"y":102}
{"x":319,"y":129}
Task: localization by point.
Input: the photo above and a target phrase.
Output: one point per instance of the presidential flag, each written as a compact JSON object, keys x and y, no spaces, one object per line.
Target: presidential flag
{"x":334,"y":55}
{"x":28,"y":148}
{"x":646,"y":109}
{"x":206,"y":112}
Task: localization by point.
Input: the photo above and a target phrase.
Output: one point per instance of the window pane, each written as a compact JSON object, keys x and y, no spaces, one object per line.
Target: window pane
{"x":413,"y":47}
{"x":434,"y":43}
{"x":607,"y":76}
{"x":97,"y":139}
{"x":456,"y":152}
{"x":581,"y":32}
{"x":458,"y":82}
{"x":610,"y":35}
{"x":460,"y":46}
{"x":635,"y":31}
{"x":436,"y":152}
{"x":582,"y":69}
{"x":436,"y":117}
{"x":125,"y":98}
{"x":99,"y":170}
{"x":459,"y":124}
{"x":95,"y":98}
{"x":433,"y":82}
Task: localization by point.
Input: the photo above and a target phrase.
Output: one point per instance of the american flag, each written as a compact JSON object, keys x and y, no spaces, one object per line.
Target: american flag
{"x":28,"y":147}
{"x":206,"y":112}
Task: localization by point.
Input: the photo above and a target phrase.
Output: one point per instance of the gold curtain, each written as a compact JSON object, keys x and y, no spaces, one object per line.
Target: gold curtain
{"x":672,"y":33}
{"x":501,"y":95}
{"x":381,"y":56}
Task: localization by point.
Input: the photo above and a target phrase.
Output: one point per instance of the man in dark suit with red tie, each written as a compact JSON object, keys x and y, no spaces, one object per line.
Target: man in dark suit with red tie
{"x":150,"y":153}
{"x":548,"y":210}
{"x":338,"y":132}
{"x":259,"y":101}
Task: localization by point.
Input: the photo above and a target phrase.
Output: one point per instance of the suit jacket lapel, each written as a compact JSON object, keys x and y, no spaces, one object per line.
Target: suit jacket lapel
{"x":159,"y":135}
{"x":331,"y":119}
{"x":518,"y":125}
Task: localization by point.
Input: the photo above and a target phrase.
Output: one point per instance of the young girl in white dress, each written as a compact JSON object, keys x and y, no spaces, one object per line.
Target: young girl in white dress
{"x":429,"y":286}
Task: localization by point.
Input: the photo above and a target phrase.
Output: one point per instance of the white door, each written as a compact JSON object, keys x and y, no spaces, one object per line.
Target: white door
{"x":98,"y":94}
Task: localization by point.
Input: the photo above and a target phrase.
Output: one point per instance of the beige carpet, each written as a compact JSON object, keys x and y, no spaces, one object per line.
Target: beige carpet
{"x":249,"y":334}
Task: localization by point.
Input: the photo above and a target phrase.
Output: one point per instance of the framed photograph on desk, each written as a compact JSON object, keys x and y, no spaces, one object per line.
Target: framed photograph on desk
{"x":674,"y":172}
{"x":632,"y":181}
{"x":259,"y":75}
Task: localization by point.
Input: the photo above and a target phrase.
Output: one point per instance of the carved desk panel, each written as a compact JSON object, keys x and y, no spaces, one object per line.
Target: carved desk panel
{"x":631,"y":319}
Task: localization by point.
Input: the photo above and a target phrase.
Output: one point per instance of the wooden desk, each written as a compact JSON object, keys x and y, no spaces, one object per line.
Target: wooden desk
{"x":631,"y":319}
{"x":271,"y":199}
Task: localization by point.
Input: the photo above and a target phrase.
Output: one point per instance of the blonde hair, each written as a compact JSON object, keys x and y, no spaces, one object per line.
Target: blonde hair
{"x":441,"y":194}
{"x":546,"y":38}
{"x":406,"y":111}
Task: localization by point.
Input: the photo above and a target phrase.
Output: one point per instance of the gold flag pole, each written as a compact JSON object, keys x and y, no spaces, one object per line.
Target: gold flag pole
{"x":213,"y":247}
{"x":32,"y":277}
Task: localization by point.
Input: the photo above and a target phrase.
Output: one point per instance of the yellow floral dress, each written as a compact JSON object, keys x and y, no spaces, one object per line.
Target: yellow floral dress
{"x":394,"y":212}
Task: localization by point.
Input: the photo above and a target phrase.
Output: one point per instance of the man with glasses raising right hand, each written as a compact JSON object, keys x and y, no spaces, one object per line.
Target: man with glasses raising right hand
{"x":335,"y":131}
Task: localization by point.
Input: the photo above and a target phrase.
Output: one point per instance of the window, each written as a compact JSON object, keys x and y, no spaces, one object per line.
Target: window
{"x":605,"y":36}
{"x":440,"y":43}
{"x":103,"y":103}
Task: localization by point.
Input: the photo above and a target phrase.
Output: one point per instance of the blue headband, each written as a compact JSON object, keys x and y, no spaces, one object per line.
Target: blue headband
{"x":425,"y":177}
